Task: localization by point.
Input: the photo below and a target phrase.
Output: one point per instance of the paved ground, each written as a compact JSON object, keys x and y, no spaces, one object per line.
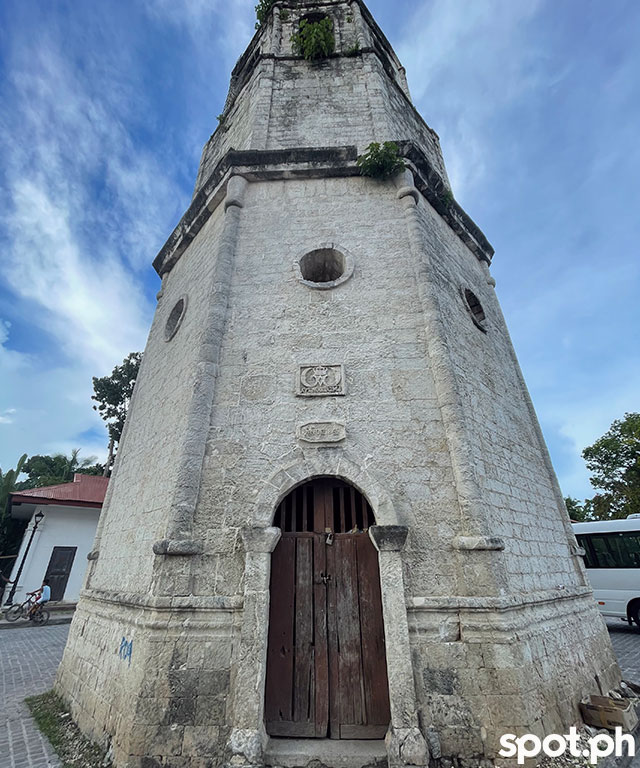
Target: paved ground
{"x":30,"y":657}
{"x":626,"y":644}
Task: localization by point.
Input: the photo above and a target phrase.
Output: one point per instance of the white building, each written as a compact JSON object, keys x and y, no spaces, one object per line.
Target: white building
{"x":63,"y":537}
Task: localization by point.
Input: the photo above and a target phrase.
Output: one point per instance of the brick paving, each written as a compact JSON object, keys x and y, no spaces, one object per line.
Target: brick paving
{"x":30,"y":656}
{"x":626,"y":644}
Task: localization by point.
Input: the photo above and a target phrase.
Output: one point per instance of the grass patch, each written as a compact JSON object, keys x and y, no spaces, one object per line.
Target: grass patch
{"x":54,"y":721}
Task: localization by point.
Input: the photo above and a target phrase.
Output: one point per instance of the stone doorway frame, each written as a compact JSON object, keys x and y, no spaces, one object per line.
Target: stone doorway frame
{"x":405,"y":743}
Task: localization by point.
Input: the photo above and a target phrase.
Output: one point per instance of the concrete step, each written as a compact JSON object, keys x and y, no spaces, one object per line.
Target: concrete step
{"x":332,"y":753}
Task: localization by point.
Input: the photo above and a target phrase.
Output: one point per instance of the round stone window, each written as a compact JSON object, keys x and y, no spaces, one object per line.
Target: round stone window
{"x":175,"y":318}
{"x":324,"y":268}
{"x":475,"y":308}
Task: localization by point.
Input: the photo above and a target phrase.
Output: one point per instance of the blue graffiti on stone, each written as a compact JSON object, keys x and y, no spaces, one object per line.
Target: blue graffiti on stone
{"x":126,"y":649}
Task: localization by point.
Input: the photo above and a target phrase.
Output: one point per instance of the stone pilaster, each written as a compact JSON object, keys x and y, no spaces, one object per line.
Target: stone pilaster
{"x":405,"y":743}
{"x":179,"y":537}
{"x":248,"y":737}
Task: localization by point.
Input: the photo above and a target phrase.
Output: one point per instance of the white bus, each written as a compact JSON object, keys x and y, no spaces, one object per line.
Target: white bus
{"x":612,"y":560}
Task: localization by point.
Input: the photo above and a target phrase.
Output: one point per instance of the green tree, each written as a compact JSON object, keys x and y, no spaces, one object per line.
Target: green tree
{"x":56,"y":469}
{"x":113,"y":395}
{"x":263,"y":9}
{"x":575,"y":509}
{"x":381,"y":161}
{"x":614,"y":463}
{"x":314,"y":39}
{"x":10,"y":530}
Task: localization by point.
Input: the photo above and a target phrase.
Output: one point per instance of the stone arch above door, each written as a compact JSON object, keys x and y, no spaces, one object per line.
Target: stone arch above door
{"x":248,"y":739}
{"x":301,"y":470}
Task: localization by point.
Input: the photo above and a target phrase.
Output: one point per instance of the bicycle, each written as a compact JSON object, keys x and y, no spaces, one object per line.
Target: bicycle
{"x":14,"y":612}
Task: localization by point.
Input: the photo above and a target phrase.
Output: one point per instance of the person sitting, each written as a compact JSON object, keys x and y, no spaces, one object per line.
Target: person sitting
{"x":43,"y":595}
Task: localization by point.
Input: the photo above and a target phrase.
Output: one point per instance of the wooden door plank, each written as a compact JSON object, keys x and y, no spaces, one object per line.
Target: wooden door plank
{"x":352,"y":522}
{"x":342,"y":520}
{"x":327,"y":506}
{"x":363,"y":731}
{"x":332,"y":642}
{"x":304,"y":673}
{"x":320,"y":638}
{"x":318,"y":508}
{"x":280,"y":655}
{"x":374,"y":660}
{"x":291,"y":730}
{"x":305,"y":526}
{"x":351,"y":696}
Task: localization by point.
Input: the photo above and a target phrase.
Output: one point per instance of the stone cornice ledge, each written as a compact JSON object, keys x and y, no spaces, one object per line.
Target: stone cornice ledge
{"x":479,"y":543}
{"x":317,"y":162}
{"x":505,"y":603}
{"x":433,"y":187}
{"x":253,"y":165}
{"x":183,"y":603}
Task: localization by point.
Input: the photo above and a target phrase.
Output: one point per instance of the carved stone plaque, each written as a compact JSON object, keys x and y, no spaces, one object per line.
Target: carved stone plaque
{"x":322,"y":432}
{"x":320,"y":380}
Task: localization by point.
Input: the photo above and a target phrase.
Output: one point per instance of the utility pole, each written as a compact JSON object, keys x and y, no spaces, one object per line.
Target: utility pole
{"x":37,"y":520}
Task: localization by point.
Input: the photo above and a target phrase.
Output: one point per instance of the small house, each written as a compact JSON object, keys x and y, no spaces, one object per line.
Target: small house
{"x":65,"y":518}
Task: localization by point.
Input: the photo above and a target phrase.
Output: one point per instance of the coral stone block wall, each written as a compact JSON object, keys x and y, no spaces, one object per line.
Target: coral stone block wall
{"x":490,"y":626}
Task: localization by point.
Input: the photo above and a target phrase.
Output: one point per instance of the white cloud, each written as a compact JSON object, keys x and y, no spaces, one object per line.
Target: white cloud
{"x":93,"y":306}
{"x":83,"y":210}
{"x":46,"y":412}
{"x":464,"y":61}
{"x":74,"y":142}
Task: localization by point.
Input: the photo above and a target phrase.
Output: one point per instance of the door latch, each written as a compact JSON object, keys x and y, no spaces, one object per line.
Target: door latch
{"x":326,"y":577}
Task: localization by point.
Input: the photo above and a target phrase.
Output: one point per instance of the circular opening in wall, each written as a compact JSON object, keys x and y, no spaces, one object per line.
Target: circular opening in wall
{"x":324,"y":268}
{"x":475,"y":308}
{"x":175,"y":318}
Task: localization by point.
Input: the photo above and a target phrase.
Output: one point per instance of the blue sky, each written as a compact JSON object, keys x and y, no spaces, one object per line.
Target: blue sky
{"x":105,"y":107}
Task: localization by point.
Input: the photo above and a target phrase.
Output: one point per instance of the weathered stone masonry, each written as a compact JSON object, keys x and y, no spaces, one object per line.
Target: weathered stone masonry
{"x":489,"y":622}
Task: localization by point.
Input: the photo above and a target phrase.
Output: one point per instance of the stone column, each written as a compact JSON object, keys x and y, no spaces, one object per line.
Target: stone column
{"x":405,"y":743}
{"x":248,"y":737}
{"x":487,"y":581}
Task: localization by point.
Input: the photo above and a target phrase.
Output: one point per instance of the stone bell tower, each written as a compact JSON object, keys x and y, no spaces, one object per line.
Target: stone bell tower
{"x":333,"y":532}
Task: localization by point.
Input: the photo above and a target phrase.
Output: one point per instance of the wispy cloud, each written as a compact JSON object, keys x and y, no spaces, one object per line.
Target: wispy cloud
{"x":84,"y":208}
{"x":69,"y":132}
{"x":537,"y":114}
{"x":228,"y":24}
{"x":479,"y":50}
{"x":91,"y":304}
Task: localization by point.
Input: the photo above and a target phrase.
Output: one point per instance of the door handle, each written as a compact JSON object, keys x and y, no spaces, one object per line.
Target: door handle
{"x":326,"y":578}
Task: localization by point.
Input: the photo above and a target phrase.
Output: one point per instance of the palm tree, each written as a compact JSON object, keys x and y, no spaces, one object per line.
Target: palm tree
{"x":57,"y":469}
{"x":10,"y":530}
{"x":8,"y":482}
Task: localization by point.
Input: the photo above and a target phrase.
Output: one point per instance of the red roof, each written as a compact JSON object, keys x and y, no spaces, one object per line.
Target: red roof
{"x":85,"y":490}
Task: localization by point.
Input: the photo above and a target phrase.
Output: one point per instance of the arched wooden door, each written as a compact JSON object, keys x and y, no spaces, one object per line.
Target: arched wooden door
{"x":326,"y":662}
